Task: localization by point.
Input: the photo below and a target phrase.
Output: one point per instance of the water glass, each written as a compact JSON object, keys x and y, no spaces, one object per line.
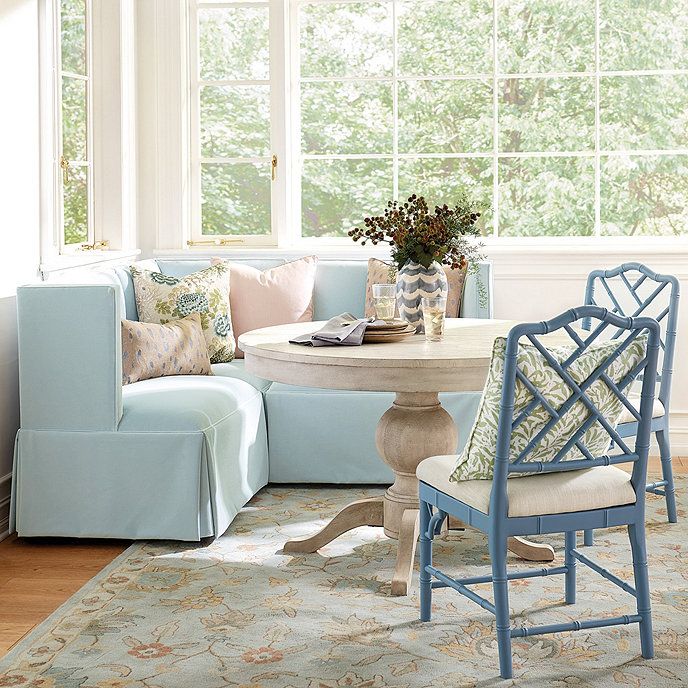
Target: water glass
{"x":385,"y":301}
{"x":433,"y":317}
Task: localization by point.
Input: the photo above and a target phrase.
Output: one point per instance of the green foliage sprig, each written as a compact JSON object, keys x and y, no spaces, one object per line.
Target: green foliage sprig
{"x":414,"y":233}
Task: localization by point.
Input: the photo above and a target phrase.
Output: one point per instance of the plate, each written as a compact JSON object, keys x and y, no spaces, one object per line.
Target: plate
{"x":394,"y":336}
{"x":381,"y":326}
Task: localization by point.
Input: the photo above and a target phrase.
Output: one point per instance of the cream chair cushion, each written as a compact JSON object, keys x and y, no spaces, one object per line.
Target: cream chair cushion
{"x":627,"y":417}
{"x":536,"y":495}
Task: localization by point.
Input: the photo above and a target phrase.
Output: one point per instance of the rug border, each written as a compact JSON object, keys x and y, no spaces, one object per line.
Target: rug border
{"x":29,"y":638}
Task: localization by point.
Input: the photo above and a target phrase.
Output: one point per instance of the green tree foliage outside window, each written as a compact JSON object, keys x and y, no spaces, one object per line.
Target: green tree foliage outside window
{"x":407,"y":96}
{"x":74,"y":85}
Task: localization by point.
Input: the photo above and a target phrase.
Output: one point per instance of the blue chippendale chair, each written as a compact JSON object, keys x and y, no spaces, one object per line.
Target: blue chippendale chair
{"x":597,"y":495}
{"x":632,"y":289}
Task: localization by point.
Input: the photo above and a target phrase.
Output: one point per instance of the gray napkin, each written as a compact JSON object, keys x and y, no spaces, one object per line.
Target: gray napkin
{"x":342,"y":330}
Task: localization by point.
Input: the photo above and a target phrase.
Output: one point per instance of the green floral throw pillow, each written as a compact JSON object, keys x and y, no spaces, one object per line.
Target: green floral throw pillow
{"x":476,"y":461}
{"x":161,"y":299}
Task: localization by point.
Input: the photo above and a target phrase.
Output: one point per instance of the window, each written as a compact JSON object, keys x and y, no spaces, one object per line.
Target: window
{"x":233,"y":146}
{"x":569,"y":118}
{"x":74,"y":148}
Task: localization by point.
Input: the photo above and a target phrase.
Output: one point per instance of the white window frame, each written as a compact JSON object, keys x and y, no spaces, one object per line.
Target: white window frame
{"x":278,"y":85}
{"x":286,"y":136}
{"x":88,"y":163}
{"x":111,"y":144}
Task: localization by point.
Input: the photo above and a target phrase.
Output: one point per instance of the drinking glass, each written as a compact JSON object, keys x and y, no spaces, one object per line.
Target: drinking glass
{"x":385,"y":301}
{"x":433,"y":317}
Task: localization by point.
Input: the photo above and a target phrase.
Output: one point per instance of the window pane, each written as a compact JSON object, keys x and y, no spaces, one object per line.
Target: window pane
{"x":235,"y":121}
{"x":643,"y":34}
{"x":73,"y":35}
{"x":644,"y":195}
{"x":346,"y":117}
{"x":547,"y":114}
{"x":445,"y":116}
{"x":338,"y":194}
{"x":74,"y":138}
{"x":546,"y":36}
{"x":75,"y":206}
{"x":233,"y":43}
{"x":444,"y":37}
{"x":353,"y":39}
{"x":441,"y":180}
{"x":235,"y":198}
{"x":546,"y":197}
{"x":644,"y":112}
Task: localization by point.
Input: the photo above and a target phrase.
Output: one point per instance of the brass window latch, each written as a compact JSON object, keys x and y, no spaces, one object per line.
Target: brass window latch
{"x":95,"y":246}
{"x":274,"y":167}
{"x":220,"y":241}
{"x":64,"y":164}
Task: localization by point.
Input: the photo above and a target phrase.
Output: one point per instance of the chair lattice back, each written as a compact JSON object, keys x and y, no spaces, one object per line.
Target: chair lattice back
{"x":633,"y":290}
{"x":630,"y":329}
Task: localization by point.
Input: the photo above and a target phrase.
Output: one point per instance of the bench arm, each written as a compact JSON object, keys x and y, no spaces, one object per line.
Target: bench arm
{"x":70,"y":357}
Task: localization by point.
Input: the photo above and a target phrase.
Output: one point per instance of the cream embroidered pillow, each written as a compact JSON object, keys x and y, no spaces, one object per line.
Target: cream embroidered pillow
{"x":161,"y":299}
{"x":477,"y":459}
{"x":177,"y":348}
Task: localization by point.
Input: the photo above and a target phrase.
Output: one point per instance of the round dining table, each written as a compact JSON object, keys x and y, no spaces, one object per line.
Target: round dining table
{"x":415,"y":427}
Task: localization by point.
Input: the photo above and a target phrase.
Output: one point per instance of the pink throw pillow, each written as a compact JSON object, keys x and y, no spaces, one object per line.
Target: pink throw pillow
{"x":281,"y":295}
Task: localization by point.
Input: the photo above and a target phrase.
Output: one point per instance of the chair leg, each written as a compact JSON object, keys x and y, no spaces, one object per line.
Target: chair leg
{"x":667,"y":473}
{"x":588,"y":538}
{"x":636,"y":534}
{"x":425,"y":560}
{"x":570,"y":562}
{"x":501,"y":597}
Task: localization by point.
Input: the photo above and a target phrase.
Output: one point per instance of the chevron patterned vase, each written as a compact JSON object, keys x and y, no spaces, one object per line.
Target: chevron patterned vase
{"x":413,"y":283}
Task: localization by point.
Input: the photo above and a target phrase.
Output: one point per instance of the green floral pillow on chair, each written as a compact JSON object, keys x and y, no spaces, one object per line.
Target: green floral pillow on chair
{"x":161,"y":299}
{"x":476,"y":462}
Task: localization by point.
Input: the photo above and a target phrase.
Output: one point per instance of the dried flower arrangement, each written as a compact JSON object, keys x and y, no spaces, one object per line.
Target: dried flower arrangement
{"x":414,"y":234}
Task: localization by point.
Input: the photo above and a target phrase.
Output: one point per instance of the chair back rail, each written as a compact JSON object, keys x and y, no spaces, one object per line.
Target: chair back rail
{"x":631,"y":328}
{"x":634,"y":290}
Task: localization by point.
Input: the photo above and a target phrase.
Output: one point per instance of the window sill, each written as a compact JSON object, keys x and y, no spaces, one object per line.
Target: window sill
{"x":85,"y":259}
{"x":531,"y":247}
{"x":530,"y":258}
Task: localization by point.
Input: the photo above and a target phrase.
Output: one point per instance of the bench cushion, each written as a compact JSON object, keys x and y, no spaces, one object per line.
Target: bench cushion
{"x":189,"y":403}
{"x":237,"y":369}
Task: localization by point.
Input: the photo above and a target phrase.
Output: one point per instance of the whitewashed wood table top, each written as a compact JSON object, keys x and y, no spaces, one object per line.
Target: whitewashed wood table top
{"x":457,"y":363}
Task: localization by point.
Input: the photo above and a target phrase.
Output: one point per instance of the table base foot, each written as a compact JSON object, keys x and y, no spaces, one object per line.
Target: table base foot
{"x":530,"y":551}
{"x":363,"y":512}
{"x":522,"y":548}
{"x":406,"y":552}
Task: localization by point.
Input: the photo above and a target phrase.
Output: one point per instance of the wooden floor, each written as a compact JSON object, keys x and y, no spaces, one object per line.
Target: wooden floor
{"x":39,"y":574}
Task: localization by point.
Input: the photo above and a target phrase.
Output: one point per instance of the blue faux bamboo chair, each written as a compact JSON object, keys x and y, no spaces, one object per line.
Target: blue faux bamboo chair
{"x":632,"y":289}
{"x":439,"y":497}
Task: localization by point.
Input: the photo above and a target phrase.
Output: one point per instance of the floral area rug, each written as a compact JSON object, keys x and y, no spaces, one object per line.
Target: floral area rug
{"x":238,"y":612}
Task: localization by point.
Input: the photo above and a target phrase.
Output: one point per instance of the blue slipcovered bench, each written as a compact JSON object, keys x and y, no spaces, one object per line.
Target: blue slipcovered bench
{"x":178,"y":457}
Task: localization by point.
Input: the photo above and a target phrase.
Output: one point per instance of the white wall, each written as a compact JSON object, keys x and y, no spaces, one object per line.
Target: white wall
{"x":532,"y":284}
{"x":19,"y":195}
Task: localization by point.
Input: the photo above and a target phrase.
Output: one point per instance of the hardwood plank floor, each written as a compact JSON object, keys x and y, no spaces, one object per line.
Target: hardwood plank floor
{"x":37,"y":575}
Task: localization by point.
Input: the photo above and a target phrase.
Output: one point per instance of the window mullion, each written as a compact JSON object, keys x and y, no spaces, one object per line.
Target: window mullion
{"x":495,"y":121}
{"x":598,"y":162}
{"x":278,"y":42}
{"x":395,"y":104}
{"x":195,"y":229}
{"x":89,"y":121}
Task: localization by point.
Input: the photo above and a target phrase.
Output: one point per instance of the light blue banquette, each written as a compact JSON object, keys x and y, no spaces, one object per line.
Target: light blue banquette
{"x":177,"y":457}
